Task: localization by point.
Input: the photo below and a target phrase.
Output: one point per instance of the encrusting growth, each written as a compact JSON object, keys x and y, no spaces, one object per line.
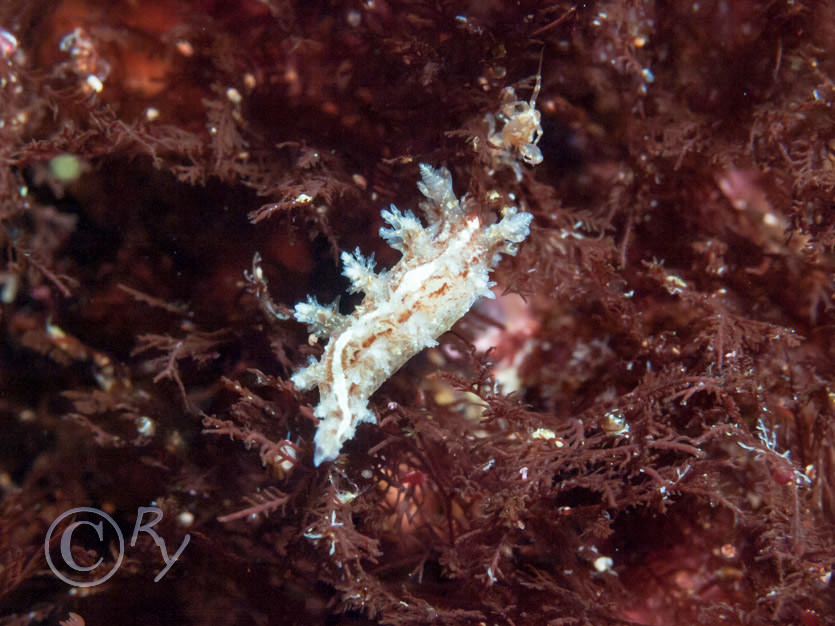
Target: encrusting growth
{"x":443,"y":271}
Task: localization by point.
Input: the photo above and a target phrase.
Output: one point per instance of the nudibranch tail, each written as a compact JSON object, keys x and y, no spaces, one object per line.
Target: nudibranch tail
{"x":444,"y":269}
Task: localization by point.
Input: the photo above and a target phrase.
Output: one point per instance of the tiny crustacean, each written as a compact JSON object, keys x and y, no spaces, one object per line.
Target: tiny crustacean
{"x":515,"y":130}
{"x":520,"y":131}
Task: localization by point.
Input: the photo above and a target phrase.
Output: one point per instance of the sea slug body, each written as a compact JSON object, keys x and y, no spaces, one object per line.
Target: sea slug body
{"x":444,"y":269}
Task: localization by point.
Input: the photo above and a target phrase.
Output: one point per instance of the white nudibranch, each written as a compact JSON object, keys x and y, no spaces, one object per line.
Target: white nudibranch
{"x":443,"y":271}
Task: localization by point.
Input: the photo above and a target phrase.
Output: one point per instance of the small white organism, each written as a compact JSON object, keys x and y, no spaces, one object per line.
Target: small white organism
{"x":444,"y":269}
{"x":520,"y":130}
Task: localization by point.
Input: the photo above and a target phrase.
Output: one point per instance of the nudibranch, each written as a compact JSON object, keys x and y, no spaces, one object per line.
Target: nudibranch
{"x":443,"y":270}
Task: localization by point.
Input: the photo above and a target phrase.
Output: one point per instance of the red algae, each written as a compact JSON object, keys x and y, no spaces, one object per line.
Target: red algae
{"x":639,"y":430}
